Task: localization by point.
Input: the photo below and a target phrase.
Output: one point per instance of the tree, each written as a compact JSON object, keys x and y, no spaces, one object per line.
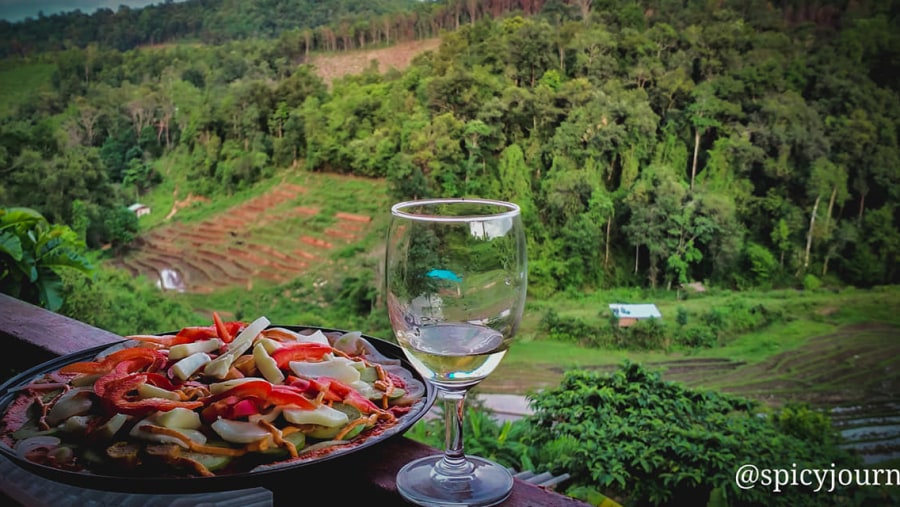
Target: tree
{"x":530,"y":51}
{"x":707,"y":111}
{"x":515,"y":182}
{"x":122,"y":226}
{"x":827,"y":179}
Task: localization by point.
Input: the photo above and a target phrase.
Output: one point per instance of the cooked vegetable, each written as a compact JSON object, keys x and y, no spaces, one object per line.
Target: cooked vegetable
{"x":266,"y":365}
{"x":186,"y":349}
{"x":188,"y":366}
{"x":179,"y":418}
{"x":322,"y":415}
{"x":240,"y":432}
{"x":208,"y":400}
{"x":338,"y":368}
{"x":219,"y":367}
{"x":75,"y":402}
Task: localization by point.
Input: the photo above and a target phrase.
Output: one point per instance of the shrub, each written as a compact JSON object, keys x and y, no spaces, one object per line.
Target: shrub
{"x":644,"y":441}
{"x":681,"y":316}
{"x":573,"y":330}
{"x":739,"y":317}
{"x":645,"y":334}
{"x":811,"y":282}
{"x":115,"y":301}
{"x":802,"y":421}
{"x":696,"y":336}
{"x":761,"y":263}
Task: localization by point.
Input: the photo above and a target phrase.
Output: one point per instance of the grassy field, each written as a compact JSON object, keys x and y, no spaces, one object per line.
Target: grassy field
{"x":835,"y":347}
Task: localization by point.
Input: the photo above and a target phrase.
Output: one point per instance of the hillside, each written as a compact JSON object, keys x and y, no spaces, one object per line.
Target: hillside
{"x":334,"y":65}
{"x":284,"y":229}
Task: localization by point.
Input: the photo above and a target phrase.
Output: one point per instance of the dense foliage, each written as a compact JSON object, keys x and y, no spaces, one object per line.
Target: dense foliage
{"x":113,"y":300}
{"x":632,"y":437}
{"x":713,"y":326}
{"x":743,"y":143}
{"x":34,"y":254}
{"x":649,"y":442}
{"x":344,"y":22}
{"x":649,"y":145}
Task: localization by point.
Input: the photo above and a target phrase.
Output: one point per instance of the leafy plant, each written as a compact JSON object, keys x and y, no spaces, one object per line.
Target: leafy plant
{"x":643,"y":441}
{"x":33,"y":252}
{"x":484,"y":436}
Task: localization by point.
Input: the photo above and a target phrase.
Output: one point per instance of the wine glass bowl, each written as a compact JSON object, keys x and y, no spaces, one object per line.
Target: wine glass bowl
{"x":456,"y":281}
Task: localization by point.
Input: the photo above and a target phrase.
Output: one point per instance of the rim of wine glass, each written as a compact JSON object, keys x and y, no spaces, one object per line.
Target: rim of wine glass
{"x":512,"y":209}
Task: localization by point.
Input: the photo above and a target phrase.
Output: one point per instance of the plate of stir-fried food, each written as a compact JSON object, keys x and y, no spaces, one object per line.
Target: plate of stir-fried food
{"x":209,"y":404}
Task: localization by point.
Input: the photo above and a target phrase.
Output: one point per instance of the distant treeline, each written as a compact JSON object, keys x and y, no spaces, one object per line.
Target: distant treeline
{"x":207,"y":21}
{"x":336,"y":24}
{"x":650,"y":143}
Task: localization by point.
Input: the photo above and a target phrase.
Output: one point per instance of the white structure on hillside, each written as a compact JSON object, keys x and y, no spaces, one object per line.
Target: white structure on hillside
{"x":629,"y":314}
{"x":139,"y":209}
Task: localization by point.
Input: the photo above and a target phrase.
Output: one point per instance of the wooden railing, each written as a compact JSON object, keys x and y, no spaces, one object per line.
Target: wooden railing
{"x":33,"y":335}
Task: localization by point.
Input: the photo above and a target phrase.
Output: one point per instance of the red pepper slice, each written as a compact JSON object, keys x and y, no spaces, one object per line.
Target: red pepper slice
{"x":116,"y":394}
{"x":217,"y":409}
{"x":255,"y":388}
{"x":226,"y":331}
{"x":300,"y":383}
{"x":263,"y":390}
{"x":148,"y":358}
{"x":285,"y":395}
{"x":338,"y":391}
{"x":221,"y":329}
{"x":243,"y":408}
{"x":161,"y":381}
{"x":323,"y":385}
{"x":299,"y":352}
{"x":195,"y":334}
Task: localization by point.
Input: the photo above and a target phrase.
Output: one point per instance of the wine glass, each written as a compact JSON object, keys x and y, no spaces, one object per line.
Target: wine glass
{"x":456,"y":280}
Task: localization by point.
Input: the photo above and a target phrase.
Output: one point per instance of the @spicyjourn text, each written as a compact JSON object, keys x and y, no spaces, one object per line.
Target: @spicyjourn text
{"x":826,"y":480}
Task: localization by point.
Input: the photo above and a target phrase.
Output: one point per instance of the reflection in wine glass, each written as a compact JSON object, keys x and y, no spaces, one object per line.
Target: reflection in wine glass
{"x":456,"y":281}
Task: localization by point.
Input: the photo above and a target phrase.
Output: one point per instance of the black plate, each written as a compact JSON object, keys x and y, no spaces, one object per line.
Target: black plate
{"x":173,"y":485}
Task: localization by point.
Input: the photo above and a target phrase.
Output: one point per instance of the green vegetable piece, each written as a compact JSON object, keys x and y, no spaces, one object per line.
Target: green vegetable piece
{"x":212,"y":462}
{"x":368,"y":374}
{"x":328,"y":433}
{"x":298,"y":438}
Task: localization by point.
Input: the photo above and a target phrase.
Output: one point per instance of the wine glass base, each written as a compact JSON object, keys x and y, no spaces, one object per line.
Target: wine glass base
{"x":487,"y":484}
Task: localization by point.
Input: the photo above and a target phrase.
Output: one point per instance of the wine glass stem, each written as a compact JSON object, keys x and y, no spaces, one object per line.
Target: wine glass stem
{"x":454,"y":462}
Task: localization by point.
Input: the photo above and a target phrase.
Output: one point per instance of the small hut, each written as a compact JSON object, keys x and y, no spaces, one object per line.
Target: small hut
{"x":629,"y":314}
{"x":139,"y":209}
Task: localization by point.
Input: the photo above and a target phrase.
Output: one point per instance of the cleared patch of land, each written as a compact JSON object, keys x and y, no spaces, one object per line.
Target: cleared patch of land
{"x":330,"y":66}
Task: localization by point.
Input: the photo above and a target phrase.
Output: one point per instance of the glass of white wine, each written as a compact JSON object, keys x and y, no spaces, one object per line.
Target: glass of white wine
{"x":456,"y":280}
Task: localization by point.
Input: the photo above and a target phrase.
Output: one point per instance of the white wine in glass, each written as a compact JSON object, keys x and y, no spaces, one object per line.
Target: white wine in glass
{"x":456,"y":281}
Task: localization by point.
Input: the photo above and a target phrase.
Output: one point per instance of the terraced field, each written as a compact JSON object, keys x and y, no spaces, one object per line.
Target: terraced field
{"x":273,"y":237}
{"x":853,"y":374}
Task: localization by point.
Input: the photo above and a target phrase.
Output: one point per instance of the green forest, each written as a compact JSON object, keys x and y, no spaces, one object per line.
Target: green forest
{"x":747,"y":145}
{"x":654,"y":143}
